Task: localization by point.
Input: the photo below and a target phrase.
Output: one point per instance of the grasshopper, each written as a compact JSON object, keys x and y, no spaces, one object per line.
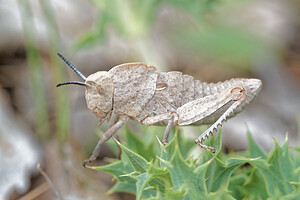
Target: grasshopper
{"x":139,"y":92}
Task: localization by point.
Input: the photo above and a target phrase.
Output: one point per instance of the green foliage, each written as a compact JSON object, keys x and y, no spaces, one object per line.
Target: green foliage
{"x":34,"y":62}
{"x":130,"y":19}
{"x":35,"y":68}
{"x":208,"y":30}
{"x":172,"y":174}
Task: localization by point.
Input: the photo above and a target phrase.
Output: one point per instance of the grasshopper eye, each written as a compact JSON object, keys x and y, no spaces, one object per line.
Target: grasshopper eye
{"x":95,"y":86}
{"x":100,"y":89}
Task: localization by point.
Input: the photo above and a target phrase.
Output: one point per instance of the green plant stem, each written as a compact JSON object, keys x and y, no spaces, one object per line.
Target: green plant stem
{"x":62,"y":109}
{"x":35,"y":71}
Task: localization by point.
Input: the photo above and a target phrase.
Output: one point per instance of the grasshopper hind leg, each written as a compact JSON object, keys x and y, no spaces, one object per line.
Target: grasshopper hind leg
{"x":203,"y":146}
{"x":219,"y":122}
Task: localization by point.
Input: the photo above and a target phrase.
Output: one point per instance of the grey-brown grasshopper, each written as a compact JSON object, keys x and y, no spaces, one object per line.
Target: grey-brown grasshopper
{"x":138,"y":91}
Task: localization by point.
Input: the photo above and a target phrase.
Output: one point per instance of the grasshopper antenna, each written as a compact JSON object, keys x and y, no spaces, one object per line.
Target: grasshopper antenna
{"x":74,"y":69}
{"x":71,"y":82}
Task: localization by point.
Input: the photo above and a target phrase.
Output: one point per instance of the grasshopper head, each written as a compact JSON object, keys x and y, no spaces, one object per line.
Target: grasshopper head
{"x":252,"y":87}
{"x":99,"y":93}
{"x":99,"y":90}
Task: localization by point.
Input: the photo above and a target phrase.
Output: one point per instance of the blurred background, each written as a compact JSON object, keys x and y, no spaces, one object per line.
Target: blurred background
{"x":212,"y":40}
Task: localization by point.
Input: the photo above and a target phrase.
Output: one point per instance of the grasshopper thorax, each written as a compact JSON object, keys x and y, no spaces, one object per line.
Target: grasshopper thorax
{"x":99,"y":93}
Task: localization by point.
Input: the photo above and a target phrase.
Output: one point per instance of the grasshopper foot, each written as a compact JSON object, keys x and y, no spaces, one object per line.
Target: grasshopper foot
{"x":203,"y":146}
{"x":165,"y":142}
{"x":90,"y":160}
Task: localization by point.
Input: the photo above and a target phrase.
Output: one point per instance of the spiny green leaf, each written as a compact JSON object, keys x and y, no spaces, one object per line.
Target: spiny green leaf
{"x":173,"y":194}
{"x":293,"y":195}
{"x":158,"y":196}
{"x":236,"y":184}
{"x":125,"y":186}
{"x":158,"y":183}
{"x":139,"y":163}
{"x":253,"y":186}
{"x":168,"y":150}
{"x":221,"y":172}
{"x":183,"y":175}
{"x":218,"y":142}
{"x":265,"y":177}
{"x":185,"y":145}
{"x":154,"y":177}
{"x":160,"y":173}
{"x":286,"y":163}
{"x":137,"y":145}
{"x":253,"y":149}
{"x":222,"y":193}
{"x":116,"y":169}
{"x":143,"y":179}
{"x":271,"y":171}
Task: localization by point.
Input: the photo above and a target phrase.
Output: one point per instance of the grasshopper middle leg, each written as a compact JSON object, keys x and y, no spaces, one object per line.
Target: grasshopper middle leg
{"x":169,"y":116}
{"x":167,"y":131}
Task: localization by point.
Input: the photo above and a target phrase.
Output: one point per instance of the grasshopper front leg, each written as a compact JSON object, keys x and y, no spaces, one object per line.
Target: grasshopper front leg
{"x":107,"y":135}
{"x":207,"y":106}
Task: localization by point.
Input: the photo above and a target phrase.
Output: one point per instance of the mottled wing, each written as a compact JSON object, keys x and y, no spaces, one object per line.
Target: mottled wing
{"x":171,"y":96}
{"x":135,"y":84}
{"x":173,"y":89}
{"x":198,"y":88}
{"x":188,"y":90}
